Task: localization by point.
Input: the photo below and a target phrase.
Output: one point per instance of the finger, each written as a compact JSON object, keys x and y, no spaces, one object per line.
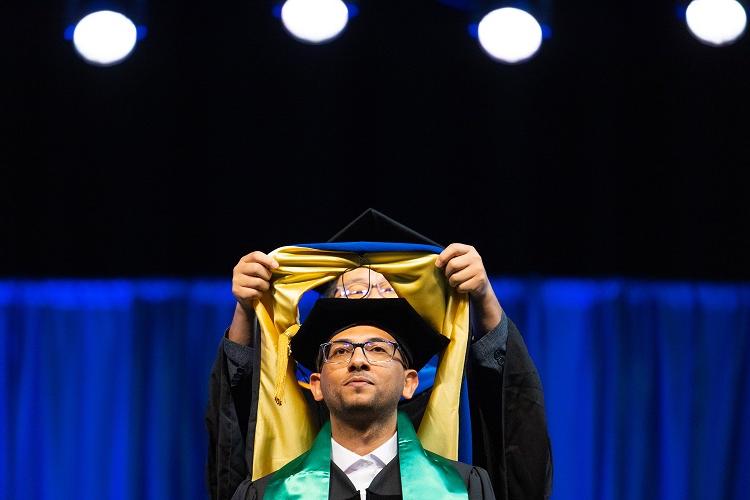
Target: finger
{"x":246,"y":295}
{"x":474,"y":286}
{"x":250,"y":282}
{"x":451,"y":251}
{"x":461,"y":276}
{"x":253,"y":269}
{"x":457,"y":264}
{"x":262,"y":258}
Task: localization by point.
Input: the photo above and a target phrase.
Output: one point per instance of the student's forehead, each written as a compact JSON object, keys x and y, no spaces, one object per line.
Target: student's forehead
{"x":363,"y":333}
{"x":362,"y":273}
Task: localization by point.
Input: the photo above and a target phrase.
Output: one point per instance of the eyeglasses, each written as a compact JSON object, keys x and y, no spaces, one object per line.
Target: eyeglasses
{"x":376,"y":351}
{"x":359,"y":289}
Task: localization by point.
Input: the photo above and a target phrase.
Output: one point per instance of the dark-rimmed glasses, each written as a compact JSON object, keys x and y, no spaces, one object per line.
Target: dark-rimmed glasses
{"x":376,"y":351}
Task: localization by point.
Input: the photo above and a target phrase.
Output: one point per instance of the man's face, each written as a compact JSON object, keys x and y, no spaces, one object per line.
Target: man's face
{"x":361,"y":388}
{"x":363,"y":282}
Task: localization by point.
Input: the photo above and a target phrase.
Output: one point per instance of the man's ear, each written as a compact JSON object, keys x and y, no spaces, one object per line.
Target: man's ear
{"x":411,"y":381}
{"x":315,"y":386}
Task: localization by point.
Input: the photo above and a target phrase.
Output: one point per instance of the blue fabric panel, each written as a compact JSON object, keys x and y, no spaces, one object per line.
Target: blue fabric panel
{"x":372,"y":246}
{"x":465,"y":449}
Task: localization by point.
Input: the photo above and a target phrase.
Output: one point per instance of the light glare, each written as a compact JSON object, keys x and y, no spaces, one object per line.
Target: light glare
{"x":716,"y":22}
{"x":314,"y":21}
{"x":509,"y":35}
{"x":104,"y":37}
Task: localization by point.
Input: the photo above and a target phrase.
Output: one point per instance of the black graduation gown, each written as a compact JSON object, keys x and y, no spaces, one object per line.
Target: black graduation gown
{"x":509,"y":429}
{"x":385,"y":486}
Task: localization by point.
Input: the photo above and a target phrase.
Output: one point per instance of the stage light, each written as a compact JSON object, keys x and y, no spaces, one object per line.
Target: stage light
{"x":105,"y":37}
{"x":104,"y":32}
{"x":314,"y":21}
{"x":509,"y":34}
{"x":716,"y":22}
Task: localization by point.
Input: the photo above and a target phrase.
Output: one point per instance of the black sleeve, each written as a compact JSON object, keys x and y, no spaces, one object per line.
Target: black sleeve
{"x":510,"y":438}
{"x":240,"y":366}
{"x":496,"y":339}
{"x":227,"y":417}
{"x":239,"y":360}
{"x":527,"y":445}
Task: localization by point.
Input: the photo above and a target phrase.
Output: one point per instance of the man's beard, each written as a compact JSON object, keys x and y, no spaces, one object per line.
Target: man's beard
{"x":363,"y":414}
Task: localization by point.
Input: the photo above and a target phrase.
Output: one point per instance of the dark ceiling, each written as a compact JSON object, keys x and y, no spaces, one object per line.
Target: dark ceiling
{"x":621,"y":149}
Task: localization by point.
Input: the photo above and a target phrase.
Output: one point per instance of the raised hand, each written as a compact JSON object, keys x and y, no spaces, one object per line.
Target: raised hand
{"x":465,"y":272}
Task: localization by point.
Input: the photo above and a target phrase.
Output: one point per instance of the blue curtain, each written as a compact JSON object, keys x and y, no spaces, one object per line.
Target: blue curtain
{"x":103,"y":385}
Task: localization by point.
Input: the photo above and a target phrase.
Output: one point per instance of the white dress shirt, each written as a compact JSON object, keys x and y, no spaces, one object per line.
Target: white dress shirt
{"x":361,"y":470}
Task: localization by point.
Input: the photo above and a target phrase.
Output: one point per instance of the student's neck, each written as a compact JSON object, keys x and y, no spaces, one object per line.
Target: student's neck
{"x":362,"y":438}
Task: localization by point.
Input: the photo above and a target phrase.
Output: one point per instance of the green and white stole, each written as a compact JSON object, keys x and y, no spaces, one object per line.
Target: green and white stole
{"x":423,"y":473}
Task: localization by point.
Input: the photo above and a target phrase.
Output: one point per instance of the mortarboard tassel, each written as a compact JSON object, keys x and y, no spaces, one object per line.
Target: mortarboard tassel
{"x":284,"y":350}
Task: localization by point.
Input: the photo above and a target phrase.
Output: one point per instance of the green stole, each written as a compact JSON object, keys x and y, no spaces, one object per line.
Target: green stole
{"x":423,"y":473}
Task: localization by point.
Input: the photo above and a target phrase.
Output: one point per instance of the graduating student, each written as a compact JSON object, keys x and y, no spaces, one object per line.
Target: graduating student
{"x":502,"y":424}
{"x":366,"y":354}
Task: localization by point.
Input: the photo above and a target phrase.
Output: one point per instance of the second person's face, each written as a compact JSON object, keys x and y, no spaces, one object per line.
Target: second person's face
{"x":363,"y":282}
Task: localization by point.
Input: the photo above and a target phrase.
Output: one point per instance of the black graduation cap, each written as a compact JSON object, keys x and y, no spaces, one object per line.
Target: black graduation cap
{"x":372,"y":225}
{"x":418,"y":340}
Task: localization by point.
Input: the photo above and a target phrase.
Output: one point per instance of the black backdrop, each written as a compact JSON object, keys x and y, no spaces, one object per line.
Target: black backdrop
{"x":619,"y":150}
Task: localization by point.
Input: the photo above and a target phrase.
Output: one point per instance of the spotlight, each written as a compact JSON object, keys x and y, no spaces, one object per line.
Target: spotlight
{"x":105,"y":37}
{"x":509,"y":34}
{"x":104,"y":32}
{"x":314,"y":21}
{"x":716,"y":22}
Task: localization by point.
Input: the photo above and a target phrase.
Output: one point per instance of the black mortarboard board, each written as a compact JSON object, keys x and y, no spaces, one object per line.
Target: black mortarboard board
{"x":372,"y":225}
{"x":417,"y":338}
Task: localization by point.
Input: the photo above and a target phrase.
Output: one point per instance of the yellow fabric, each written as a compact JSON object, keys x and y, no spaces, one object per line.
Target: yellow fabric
{"x":286,"y":430}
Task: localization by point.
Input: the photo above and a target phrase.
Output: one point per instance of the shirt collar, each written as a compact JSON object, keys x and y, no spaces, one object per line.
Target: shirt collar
{"x":381,"y":455}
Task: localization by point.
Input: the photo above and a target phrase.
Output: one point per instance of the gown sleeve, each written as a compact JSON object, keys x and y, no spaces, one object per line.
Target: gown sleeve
{"x":509,"y":427}
{"x":227,"y":419}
